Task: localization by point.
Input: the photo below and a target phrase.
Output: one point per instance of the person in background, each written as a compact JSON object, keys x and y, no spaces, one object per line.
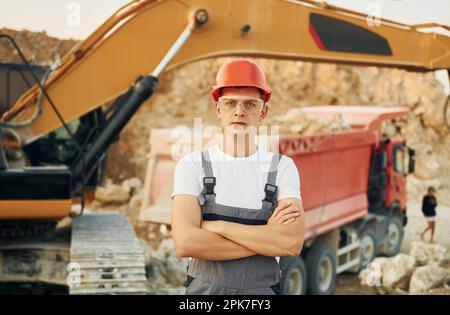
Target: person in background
{"x":429,"y":204}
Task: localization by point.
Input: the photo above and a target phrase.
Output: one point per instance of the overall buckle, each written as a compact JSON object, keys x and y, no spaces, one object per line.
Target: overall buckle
{"x":209,"y":183}
{"x":271,"y":193}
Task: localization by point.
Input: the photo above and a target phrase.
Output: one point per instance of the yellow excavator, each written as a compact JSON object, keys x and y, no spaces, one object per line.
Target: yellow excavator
{"x":64,"y":124}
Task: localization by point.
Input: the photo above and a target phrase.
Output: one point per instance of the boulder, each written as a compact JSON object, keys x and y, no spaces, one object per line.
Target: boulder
{"x":112,"y":193}
{"x":397,"y":271}
{"x":155,"y":266}
{"x":426,"y":253}
{"x":427,"y":277}
{"x":371,"y":277}
{"x":134,"y":207}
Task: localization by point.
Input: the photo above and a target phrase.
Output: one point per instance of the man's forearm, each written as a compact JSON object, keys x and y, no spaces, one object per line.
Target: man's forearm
{"x":207,"y":245}
{"x":268,"y":240}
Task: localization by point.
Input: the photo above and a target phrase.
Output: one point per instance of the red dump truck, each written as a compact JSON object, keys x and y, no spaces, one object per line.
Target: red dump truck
{"x":353,"y":187}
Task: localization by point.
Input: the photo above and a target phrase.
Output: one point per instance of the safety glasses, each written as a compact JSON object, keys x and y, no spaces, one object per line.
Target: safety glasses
{"x":250,"y":104}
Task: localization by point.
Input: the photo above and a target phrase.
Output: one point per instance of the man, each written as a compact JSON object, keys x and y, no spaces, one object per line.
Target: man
{"x":429,"y":204}
{"x":237,"y":206}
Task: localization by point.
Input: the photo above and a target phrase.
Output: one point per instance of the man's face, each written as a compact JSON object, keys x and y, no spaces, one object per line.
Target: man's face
{"x":240,"y":109}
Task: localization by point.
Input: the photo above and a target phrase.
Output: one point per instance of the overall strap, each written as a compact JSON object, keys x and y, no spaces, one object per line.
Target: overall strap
{"x":271,"y":190}
{"x":209,"y":181}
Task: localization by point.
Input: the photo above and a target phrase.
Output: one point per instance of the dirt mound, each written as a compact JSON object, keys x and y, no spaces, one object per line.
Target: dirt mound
{"x":36,"y":46}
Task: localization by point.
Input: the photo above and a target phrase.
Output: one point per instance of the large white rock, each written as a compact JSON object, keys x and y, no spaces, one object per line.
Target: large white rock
{"x":426,"y":253}
{"x":372,"y":276}
{"x":112,"y":193}
{"x":427,"y":277}
{"x":397,"y":271}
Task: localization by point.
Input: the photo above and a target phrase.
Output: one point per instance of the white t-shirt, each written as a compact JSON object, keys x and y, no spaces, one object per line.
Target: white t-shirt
{"x":240,"y":182}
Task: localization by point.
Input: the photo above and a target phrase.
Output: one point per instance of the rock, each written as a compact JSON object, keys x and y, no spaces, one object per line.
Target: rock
{"x":112,"y":193}
{"x":164,"y":269}
{"x":176,"y":270}
{"x":426,"y":253}
{"x":167,"y":247}
{"x":155,"y":265}
{"x":100,"y":206}
{"x":295,"y":121}
{"x":372,"y":276}
{"x":172,"y":291}
{"x":36,"y":46}
{"x":427,"y":166}
{"x":166,"y":232}
{"x":134,"y":208}
{"x":427,"y":277}
{"x":134,"y":185}
{"x":388,"y":275}
{"x":148,"y":232}
{"x":396,"y":271}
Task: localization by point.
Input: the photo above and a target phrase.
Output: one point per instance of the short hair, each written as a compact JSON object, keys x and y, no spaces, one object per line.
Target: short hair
{"x":431,"y":188}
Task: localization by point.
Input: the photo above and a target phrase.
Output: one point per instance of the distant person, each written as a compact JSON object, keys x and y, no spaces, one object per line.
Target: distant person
{"x":429,"y":204}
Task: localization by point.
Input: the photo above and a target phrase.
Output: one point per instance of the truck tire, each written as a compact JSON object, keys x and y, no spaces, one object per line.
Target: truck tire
{"x":293,"y":276}
{"x":321,"y":268}
{"x":368,"y":246}
{"x":394,"y":237}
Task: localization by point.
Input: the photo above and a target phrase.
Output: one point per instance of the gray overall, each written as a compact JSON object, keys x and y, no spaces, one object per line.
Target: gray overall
{"x":258,"y":274}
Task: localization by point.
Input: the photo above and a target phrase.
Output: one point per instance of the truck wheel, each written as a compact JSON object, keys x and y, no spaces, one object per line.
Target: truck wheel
{"x":367,"y":247}
{"x":321,"y":267}
{"x":394,"y":237}
{"x":293,"y":276}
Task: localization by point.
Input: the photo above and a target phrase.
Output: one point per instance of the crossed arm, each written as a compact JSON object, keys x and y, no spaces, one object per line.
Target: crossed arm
{"x":221,"y":240}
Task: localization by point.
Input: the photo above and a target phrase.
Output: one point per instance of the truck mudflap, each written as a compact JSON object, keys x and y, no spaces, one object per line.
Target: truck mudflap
{"x":105,"y":256}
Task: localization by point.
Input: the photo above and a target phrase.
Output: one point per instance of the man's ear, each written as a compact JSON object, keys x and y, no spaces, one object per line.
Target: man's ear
{"x":217,"y":109}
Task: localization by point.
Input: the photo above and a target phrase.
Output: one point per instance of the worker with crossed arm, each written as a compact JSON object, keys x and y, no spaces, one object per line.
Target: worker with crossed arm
{"x":237,"y":206}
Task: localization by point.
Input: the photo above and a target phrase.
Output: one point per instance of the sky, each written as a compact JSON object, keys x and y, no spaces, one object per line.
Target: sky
{"x":56,"y":17}
{"x":78,"y":18}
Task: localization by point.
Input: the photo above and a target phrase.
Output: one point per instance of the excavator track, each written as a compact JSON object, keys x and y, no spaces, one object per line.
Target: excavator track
{"x":10,"y":230}
{"x":105,"y":256}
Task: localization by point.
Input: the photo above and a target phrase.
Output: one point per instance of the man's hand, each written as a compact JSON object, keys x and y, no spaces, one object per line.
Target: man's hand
{"x":284,"y":213}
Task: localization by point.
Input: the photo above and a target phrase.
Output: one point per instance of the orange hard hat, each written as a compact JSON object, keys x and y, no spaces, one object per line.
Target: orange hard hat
{"x":241,"y":73}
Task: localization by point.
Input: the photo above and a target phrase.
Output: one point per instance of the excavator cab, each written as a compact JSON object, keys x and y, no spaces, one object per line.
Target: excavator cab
{"x":24,"y":190}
